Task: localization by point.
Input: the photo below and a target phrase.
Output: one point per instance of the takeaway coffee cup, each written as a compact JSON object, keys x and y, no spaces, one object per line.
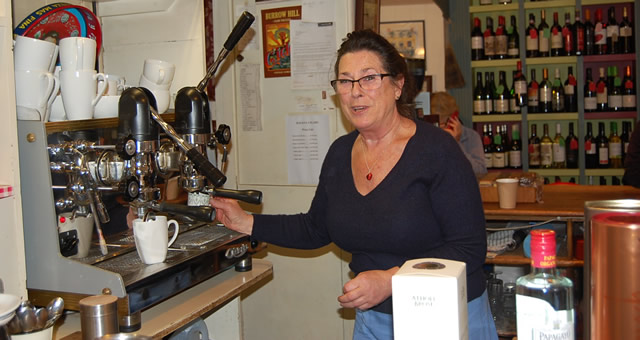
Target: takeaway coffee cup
{"x":152,"y":238}
{"x":507,"y":192}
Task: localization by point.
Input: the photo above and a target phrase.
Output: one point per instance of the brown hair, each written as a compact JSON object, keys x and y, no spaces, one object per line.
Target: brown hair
{"x":443,"y":104}
{"x":392,"y":62}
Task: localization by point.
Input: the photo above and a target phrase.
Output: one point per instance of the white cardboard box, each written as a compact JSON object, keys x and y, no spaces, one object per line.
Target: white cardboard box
{"x":430,"y":300}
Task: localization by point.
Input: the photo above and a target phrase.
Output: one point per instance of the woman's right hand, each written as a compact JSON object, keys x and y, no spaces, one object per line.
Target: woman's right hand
{"x":229,"y":213}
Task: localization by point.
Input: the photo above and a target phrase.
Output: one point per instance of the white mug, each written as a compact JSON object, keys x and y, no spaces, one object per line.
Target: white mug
{"x":152,"y":238}
{"x":77,"y":53}
{"x":34,"y":54}
{"x":57,"y":110}
{"x":35,"y":92}
{"x":160,"y":93}
{"x":115,"y":84}
{"x":81,"y":93}
{"x":84,"y":227}
{"x":158,"y":72}
{"x":107,"y":107}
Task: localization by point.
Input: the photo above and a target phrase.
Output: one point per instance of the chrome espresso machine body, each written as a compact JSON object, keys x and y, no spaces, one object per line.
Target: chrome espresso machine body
{"x":147,"y":149}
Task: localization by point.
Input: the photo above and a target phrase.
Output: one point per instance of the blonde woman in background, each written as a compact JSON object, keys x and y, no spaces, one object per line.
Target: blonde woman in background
{"x":444,"y":105}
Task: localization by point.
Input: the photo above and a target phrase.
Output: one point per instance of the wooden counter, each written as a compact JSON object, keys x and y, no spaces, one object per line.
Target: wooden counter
{"x":198,"y":301}
{"x":565,"y":202}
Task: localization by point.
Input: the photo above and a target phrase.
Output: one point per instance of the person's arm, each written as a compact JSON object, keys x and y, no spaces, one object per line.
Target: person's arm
{"x":471,"y":146}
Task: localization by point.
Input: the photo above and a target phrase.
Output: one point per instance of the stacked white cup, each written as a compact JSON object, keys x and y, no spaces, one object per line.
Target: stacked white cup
{"x":36,"y":87}
{"x":157,"y":76}
{"x":79,"y":79}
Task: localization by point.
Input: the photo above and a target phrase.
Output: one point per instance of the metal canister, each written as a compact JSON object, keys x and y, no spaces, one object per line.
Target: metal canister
{"x":98,"y":316}
{"x":612,"y":269}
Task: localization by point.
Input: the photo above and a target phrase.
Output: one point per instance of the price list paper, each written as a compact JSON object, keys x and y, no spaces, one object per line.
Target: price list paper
{"x":307,"y":145}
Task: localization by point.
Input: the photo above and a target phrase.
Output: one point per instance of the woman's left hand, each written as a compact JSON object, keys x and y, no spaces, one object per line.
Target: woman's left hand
{"x":367,"y":289}
{"x":454,"y":127}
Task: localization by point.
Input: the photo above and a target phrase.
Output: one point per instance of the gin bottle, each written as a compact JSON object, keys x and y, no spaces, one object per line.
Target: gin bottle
{"x":544,"y":298}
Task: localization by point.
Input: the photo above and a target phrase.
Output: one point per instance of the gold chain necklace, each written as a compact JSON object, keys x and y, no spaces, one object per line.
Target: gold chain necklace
{"x":364,"y":155}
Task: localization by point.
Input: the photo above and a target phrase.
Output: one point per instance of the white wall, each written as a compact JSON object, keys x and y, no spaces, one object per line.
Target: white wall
{"x":427,"y":10}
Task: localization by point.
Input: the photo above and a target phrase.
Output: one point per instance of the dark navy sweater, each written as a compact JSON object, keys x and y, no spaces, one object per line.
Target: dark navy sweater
{"x":429,"y":205}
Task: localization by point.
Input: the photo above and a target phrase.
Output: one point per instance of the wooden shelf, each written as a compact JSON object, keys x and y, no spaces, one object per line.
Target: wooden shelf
{"x":549,"y":4}
{"x":496,"y":118}
{"x":604,"y":172}
{"x":517,"y":260}
{"x":604,"y":2}
{"x":510,"y":62}
{"x":91,"y":124}
{"x":609,"y":58}
{"x":552,"y":60}
{"x":493,"y":8}
{"x":552,"y":116}
{"x":611,"y":115}
{"x":556,"y":172}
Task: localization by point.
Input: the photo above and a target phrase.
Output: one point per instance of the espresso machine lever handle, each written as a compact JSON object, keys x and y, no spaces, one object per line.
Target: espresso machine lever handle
{"x":203,"y":214}
{"x":249,"y":196}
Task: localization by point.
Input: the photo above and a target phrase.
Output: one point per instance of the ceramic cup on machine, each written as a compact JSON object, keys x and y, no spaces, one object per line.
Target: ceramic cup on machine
{"x":77,"y":53}
{"x":152,"y":238}
{"x":158,"y":72}
{"x":115,"y":84}
{"x":83,"y":225}
{"x":107,"y":107}
{"x":34,"y":54}
{"x":80,"y":92}
{"x":35,"y":92}
{"x":160,"y":93}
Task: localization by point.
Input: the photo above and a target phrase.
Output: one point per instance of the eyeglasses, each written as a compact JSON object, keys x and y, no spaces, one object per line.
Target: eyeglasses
{"x":370,"y":82}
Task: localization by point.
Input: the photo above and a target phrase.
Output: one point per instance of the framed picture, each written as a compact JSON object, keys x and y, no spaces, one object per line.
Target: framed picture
{"x":368,"y":15}
{"x":406,"y":36}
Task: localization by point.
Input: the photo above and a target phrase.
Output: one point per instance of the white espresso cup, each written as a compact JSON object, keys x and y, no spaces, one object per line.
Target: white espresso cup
{"x":107,"y":107}
{"x":81,"y":93}
{"x":34,"y":54}
{"x":84,"y":227}
{"x":159,"y":72}
{"x":160,"y":93}
{"x":115,"y":84}
{"x":152,"y":238}
{"x":35,"y":92}
{"x":77,"y":53}
{"x":57,"y":110}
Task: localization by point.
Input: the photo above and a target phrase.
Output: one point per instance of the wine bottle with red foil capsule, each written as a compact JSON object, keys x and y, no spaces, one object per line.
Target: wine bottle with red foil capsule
{"x":571,"y":149}
{"x":600,"y":34}
{"x":533,"y":96}
{"x":590,"y":94}
{"x":477,"y":41}
{"x":544,"y":298}
{"x":520,"y":87}
{"x":501,"y":39}
{"x":489,"y":40}
{"x":568,"y":39}
{"x":590,"y":148}
{"x":531,"y":39}
{"x":577,"y":31}
{"x":570,"y":92}
{"x":628,"y":90}
{"x":556,"y":40}
{"x":602,"y":94}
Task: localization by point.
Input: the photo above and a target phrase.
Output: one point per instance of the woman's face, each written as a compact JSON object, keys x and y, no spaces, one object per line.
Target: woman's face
{"x":368,"y":109}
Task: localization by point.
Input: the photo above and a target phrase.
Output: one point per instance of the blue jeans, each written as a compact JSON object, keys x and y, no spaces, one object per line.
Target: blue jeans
{"x":372,"y":325}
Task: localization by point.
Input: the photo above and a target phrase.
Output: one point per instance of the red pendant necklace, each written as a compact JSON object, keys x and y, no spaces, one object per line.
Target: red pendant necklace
{"x":364,"y":155}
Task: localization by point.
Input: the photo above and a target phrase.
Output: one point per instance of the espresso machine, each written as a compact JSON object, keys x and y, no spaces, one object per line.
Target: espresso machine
{"x":148,"y":149}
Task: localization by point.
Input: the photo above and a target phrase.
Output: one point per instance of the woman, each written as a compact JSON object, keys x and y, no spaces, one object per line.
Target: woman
{"x":444,"y":105}
{"x":388,"y":192}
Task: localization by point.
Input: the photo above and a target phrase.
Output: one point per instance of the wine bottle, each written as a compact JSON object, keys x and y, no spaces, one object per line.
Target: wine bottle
{"x":615,"y":147}
{"x":589,"y":34}
{"x":577,"y":31}
{"x":557,"y":93}
{"x":498,"y":150}
{"x":570,"y":93}
{"x":624,"y":139}
{"x":571,"y":145}
{"x":544,"y":35}
{"x":513,"y":40}
{"x":515,"y":148}
{"x":486,"y":2}
{"x":545,"y":93}
{"x":601,"y":92}
{"x":590,"y":148}
{"x":477,"y":41}
{"x":520,"y":86}
{"x":559,"y":149}
{"x":557,"y":47}
{"x":628,"y":91}
{"x":590,"y":94}
{"x":602,"y":147}
{"x":501,"y":39}
{"x":613,"y":32}
{"x":534,"y":148}
{"x":626,"y":34}
{"x":513,"y":106}
{"x":489,"y":40}
{"x":501,"y":96}
{"x":478,"y":96}
{"x":506,"y":143}
{"x":614,"y":93}
{"x":486,"y":143}
{"x":489,"y":90}
{"x":546,"y":148}
{"x":600,"y":34}
{"x":532,"y":37}
{"x":544,"y":298}
{"x":567,"y":36}
{"x":533,"y":98}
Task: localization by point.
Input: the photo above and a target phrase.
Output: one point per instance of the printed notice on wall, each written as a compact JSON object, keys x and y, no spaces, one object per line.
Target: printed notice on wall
{"x":307,"y":144}
{"x":250,"y":100}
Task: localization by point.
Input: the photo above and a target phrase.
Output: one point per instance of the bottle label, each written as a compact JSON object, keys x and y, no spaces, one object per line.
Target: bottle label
{"x":537,"y":319}
{"x":626,"y":31}
{"x":615,"y":150}
{"x":532,"y":97}
{"x":600,"y":34}
{"x":590,"y":103}
{"x":615,"y":101}
{"x":478,"y":107}
{"x":629,"y":101}
{"x":488,"y":160}
{"x":515,"y":160}
{"x":556,"y":39}
{"x":532,"y":40}
{"x":498,"y":160}
{"x":580,"y":40}
{"x":520,"y":87}
{"x":534,"y":154}
{"x":546,"y":154}
{"x":513,"y":106}
{"x":590,"y":148}
{"x":501,"y":45}
{"x":569,"y":89}
{"x":558,"y":153}
{"x":543,"y":42}
{"x":489,"y":45}
{"x":513,"y":51}
{"x":545,"y":95}
{"x":488,"y":105}
{"x":601,"y":97}
{"x":477,"y":43}
{"x":501,"y":106}
{"x":603,"y":156}
{"x":613,"y":32}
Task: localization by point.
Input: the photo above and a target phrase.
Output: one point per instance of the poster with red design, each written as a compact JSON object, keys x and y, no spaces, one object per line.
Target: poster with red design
{"x":276,"y":38}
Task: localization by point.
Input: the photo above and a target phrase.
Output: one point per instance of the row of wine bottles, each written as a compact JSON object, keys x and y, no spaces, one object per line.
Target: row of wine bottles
{"x":557,"y":152}
{"x":591,"y":180}
{"x":544,"y":41}
{"x":610,"y":93}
